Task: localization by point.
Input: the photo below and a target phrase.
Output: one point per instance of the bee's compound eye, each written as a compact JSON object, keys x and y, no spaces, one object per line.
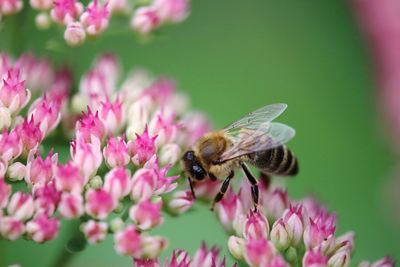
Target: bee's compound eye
{"x":189,"y":155}
{"x":199,"y":173}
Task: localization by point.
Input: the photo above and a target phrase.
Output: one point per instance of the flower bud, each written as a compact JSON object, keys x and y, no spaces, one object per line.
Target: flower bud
{"x":5,"y":192}
{"x":71,"y":205}
{"x":11,"y":228}
{"x":21,"y":206}
{"x":172,"y":10}
{"x":258,"y":251}
{"x":41,"y":4}
{"x":275,"y":203}
{"x":118,"y":183}
{"x":181,"y":201}
{"x":112,"y":115}
{"x":146,"y":214}
{"x":47,"y":198}
{"x":10,"y":146}
{"x":90,"y":125}
{"x":144,"y":182}
{"x":314,"y":258}
{"x":95,"y":18}
{"x":117,"y":224}
{"x":74,"y":34}
{"x":170,"y":154}
{"x":68,"y":178}
{"x":280,"y":236}
{"x":13,"y":94}
{"x":94,"y":231}
{"x":42,"y":21}
{"x":143,"y":148}
{"x":339,"y":259}
{"x":116,"y":152}
{"x":293,"y":219}
{"x":39,"y":170}
{"x":236,"y":247}
{"x":99,"y":203}
{"x":86,"y":156}
{"x":145,"y":20}
{"x":256,"y":226}
{"x":5,"y":118}
{"x":42,"y":228}
{"x":152,"y":246}
{"x":16,"y":171}
{"x":128,"y":242}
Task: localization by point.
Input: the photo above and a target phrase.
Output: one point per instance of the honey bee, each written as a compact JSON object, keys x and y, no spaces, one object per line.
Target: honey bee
{"x":253,"y":139}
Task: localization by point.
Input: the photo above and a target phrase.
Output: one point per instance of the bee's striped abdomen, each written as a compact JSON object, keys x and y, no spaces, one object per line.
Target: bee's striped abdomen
{"x":279,"y":161}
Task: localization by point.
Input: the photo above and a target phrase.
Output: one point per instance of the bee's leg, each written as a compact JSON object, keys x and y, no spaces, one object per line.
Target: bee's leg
{"x":223,"y":190}
{"x":191,"y":187}
{"x":254,"y":185}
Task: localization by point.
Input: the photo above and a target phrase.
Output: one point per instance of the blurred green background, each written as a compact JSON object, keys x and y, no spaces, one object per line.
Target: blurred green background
{"x":232,"y":57}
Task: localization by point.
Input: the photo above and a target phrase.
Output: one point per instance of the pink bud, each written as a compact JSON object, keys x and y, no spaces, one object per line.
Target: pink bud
{"x":95,"y":85}
{"x":340,"y":259}
{"x":153,"y":246}
{"x":66,"y":11}
{"x":258,"y":251}
{"x":179,"y":258}
{"x":71,"y":205}
{"x":236,"y":246}
{"x":170,"y":154}
{"x":204,"y":257}
{"x":207,"y":189}
{"x":5,"y":118}
{"x":41,"y":4}
{"x":345,"y":242}
{"x":13,"y":93}
{"x":11,"y":228}
{"x":320,"y":232}
{"x":256,"y":226}
{"x":21,"y":206}
{"x":5,"y":192}
{"x":293,"y":219}
{"x":128,"y":242}
{"x":94,"y":231}
{"x":10,"y":146}
{"x":109,"y":65}
{"x":278,"y":261}
{"x":163,"y":125}
{"x":138,"y":115}
{"x":149,"y":263}
{"x":144,"y":182}
{"x":314,"y":258}
{"x":38,"y":170}
{"x":74,"y":34}
{"x":145,"y":20}
{"x":111,"y":114}
{"x":99,"y":203}
{"x":90,"y":125}
{"x":9,"y":7}
{"x":118,"y":183}
{"x":46,"y":112}
{"x":275,"y":203}
{"x":146,"y":214}
{"x":42,"y":228}
{"x":143,"y":148}
{"x":172,"y":10}
{"x":68,"y":178}
{"x":230,"y":206}
{"x":181,"y":201}
{"x":47,"y":198}
{"x":195,"y":125}
{"x":30,"y":134}
{"x":385,"y":262}
{"x":165,"y":184}
{"x":86,"y":156}
{"x":116,"y":152}
{"x":95,"y":18}
{"x":279,"y":235}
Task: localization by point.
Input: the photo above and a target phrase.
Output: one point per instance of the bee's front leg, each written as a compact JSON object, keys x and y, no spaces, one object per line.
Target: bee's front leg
{"x":223,"y":190}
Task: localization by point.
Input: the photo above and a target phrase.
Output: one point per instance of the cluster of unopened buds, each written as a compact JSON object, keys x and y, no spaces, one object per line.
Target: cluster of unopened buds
{"x":80,"y":22}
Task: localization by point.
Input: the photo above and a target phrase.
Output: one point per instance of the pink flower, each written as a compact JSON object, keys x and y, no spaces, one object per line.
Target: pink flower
{"x":340,"y":259}
{"x":128,"y":242}
{"x":229,"y":207}
{"x":94,"y":231}
{"x":194,"y":126}
{"x":42,"y":228}
{"x":145,"y":20}
{"x":180,"y":258}
{"x":236,"y":247}
{"x":294,"y":222}
{"x":109,"y":65}
{"x":41,"y":4}
{"x":116,"y":152}
{"x":314,"y":258}
{"x":47,"y":198}
{"x":90,"y":125}
{"x":95,"y":18}
{"x":163,"y":125}
{"x":30,"y":134}
{"x":277,"y":261}
{"x":256,"y":226}
{"x":111,"y":114}
{"x":8,"y":7}
{"x":99,"y":203}
{"x":172,"y":10}
{"x":11,"y":228}
{"x":74,"y":34}
{"x":21,"y":206}
{"x":161,"y":91}
{"x":181,"y":201}
{"x":385,"y":262}
{"x":68,"y":178}
{"x":71,"y":205}
{"x":259,"y":252}
{"x":143,"y":148}
{"x":118,"y":183}
{"x":275,"y":203}
{"x":13,"y":93}
{"x":95,"y":85}
{"x":279,"y":235}
{"x":207,"y":189}
{"x":320,"y":232}
{"x":204,"y":257}
{"x":152,"y":246}
{"x":146,"y":214}
{"x":86,"y":156}
{"x":38,"y":170}
{"x":10,"y":145}
{"x":46,"y":112}
{"x":170,"y":154}
{"x":146,"y":263}
{"x":5,"y":192}
{"x":144,"y":182}
{"x":66,"y":11}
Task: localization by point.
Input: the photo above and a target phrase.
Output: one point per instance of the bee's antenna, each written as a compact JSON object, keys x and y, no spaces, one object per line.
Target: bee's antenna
{"x":191,"y":187}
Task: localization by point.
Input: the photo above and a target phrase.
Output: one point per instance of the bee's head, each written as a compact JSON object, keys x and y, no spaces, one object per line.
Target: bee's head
{"x":192,"y":166}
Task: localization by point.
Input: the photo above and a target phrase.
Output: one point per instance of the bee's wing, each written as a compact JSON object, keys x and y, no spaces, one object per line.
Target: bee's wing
{"x":249,"y":140}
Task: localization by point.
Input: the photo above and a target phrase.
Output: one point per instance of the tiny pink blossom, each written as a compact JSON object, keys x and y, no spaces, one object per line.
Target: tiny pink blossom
{"x":21,"y":206}
{"x":8,"y":7}
{"x":74,"y":33}
{"x":205,"y":257}
{"x":86,"y":156}
{"x":47,"y":112}
{"x":47,"y":198}
{"x":145,"y":19}
{"x":128,"y":242}
{"x":277,"y":261}
{"x":314,"y":258}
{"x":180,"y":258}
{"x":90,"y":125}
{"x":274,"y":203}
{"x":143,"y":148}
{"x":172,"y":10}
{"x":340,"y":259}
{"x":181,"y":201}
{"x":94,"y":231}
{"x":161,"y":91}
{"x":41,"y":4}
{"x":207,"y":189}
{"x":95,"y":85}
{"x":170,"y":154}
{"x":68,"y":178}
{"x":66,"y":11}
{"x":259,"y":252}
{"x":117,"y":182}
{"x":146,"y":214}
{"x":146,"y":263}
{"x":96,"y":17}
{"x":236,"y":247}
{"x":30,"y":134}
{"x":108,"y":65}
{"x":116,"y":152}
{"x":13,"y":93}
{"x":71,"y":205}
{"x":111,"y":114}
{"x":229,"y":207}
{"x":11,"y":228}
{"x":256,"y":226}
{"x":10,"y":145}
{"x":279,"y":235}
{"x":152,"y":246}
{"x":99,"y":203}
{"x":163,"y":125}
{"x":39,"y":170}
{"x":144,"y":182}
{"x":5,"y":192}
{"x":294,"y":222}
{"x":165,"y":184}
{"x":320,"y":232}
{"x":42,"y":228}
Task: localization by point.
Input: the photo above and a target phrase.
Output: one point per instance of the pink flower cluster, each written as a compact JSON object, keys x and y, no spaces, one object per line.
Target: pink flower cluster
{"x":81,"y":22}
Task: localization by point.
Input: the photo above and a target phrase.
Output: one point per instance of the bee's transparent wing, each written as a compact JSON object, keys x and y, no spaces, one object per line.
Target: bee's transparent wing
{"x":268,"y":135}
{"x":254,"y":119}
